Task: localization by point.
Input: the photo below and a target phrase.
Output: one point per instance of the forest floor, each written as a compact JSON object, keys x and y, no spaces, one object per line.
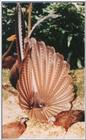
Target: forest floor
{"x":11,"y":111}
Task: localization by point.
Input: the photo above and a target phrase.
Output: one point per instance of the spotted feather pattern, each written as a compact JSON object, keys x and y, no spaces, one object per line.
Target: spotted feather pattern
{"x":44,"y":85}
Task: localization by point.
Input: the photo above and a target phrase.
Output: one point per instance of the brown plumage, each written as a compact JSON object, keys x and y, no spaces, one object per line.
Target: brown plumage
{"x":14,"y":129}
{"x":14,"y":74}
{"x":67,"y":118}
{"x":8,"y":61}
{"x":44,"y":85}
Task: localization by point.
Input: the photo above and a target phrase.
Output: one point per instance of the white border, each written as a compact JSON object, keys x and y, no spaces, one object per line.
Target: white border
{"x":1,"y":49}
{"x":85,"y":71}
{"x":44,"y":0}
{"x":0,"y":68}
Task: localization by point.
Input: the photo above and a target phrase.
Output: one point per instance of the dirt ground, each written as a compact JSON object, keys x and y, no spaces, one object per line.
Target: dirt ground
{"x":13,"y":112}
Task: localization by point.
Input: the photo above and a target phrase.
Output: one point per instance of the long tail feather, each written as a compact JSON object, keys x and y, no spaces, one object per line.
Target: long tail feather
{"x":20,"y":32}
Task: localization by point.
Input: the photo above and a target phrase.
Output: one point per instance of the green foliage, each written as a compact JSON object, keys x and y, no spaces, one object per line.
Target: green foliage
{"x":65,"y":33}
{"x":8,"y":22}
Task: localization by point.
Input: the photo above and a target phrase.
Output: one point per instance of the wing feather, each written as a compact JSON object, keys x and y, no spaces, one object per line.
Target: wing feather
{"x":45,"y":74}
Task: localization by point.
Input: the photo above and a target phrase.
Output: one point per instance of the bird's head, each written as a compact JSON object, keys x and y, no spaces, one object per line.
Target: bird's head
{"x":23,"y":120}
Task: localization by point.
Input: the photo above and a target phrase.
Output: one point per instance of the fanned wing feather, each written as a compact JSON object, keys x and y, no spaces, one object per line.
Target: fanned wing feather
{"x":42,"y":65}
{"x":44,"y":73}
{"x":25,"y":81}
{"x":56,"y":72}
{"x":50,"y":64}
